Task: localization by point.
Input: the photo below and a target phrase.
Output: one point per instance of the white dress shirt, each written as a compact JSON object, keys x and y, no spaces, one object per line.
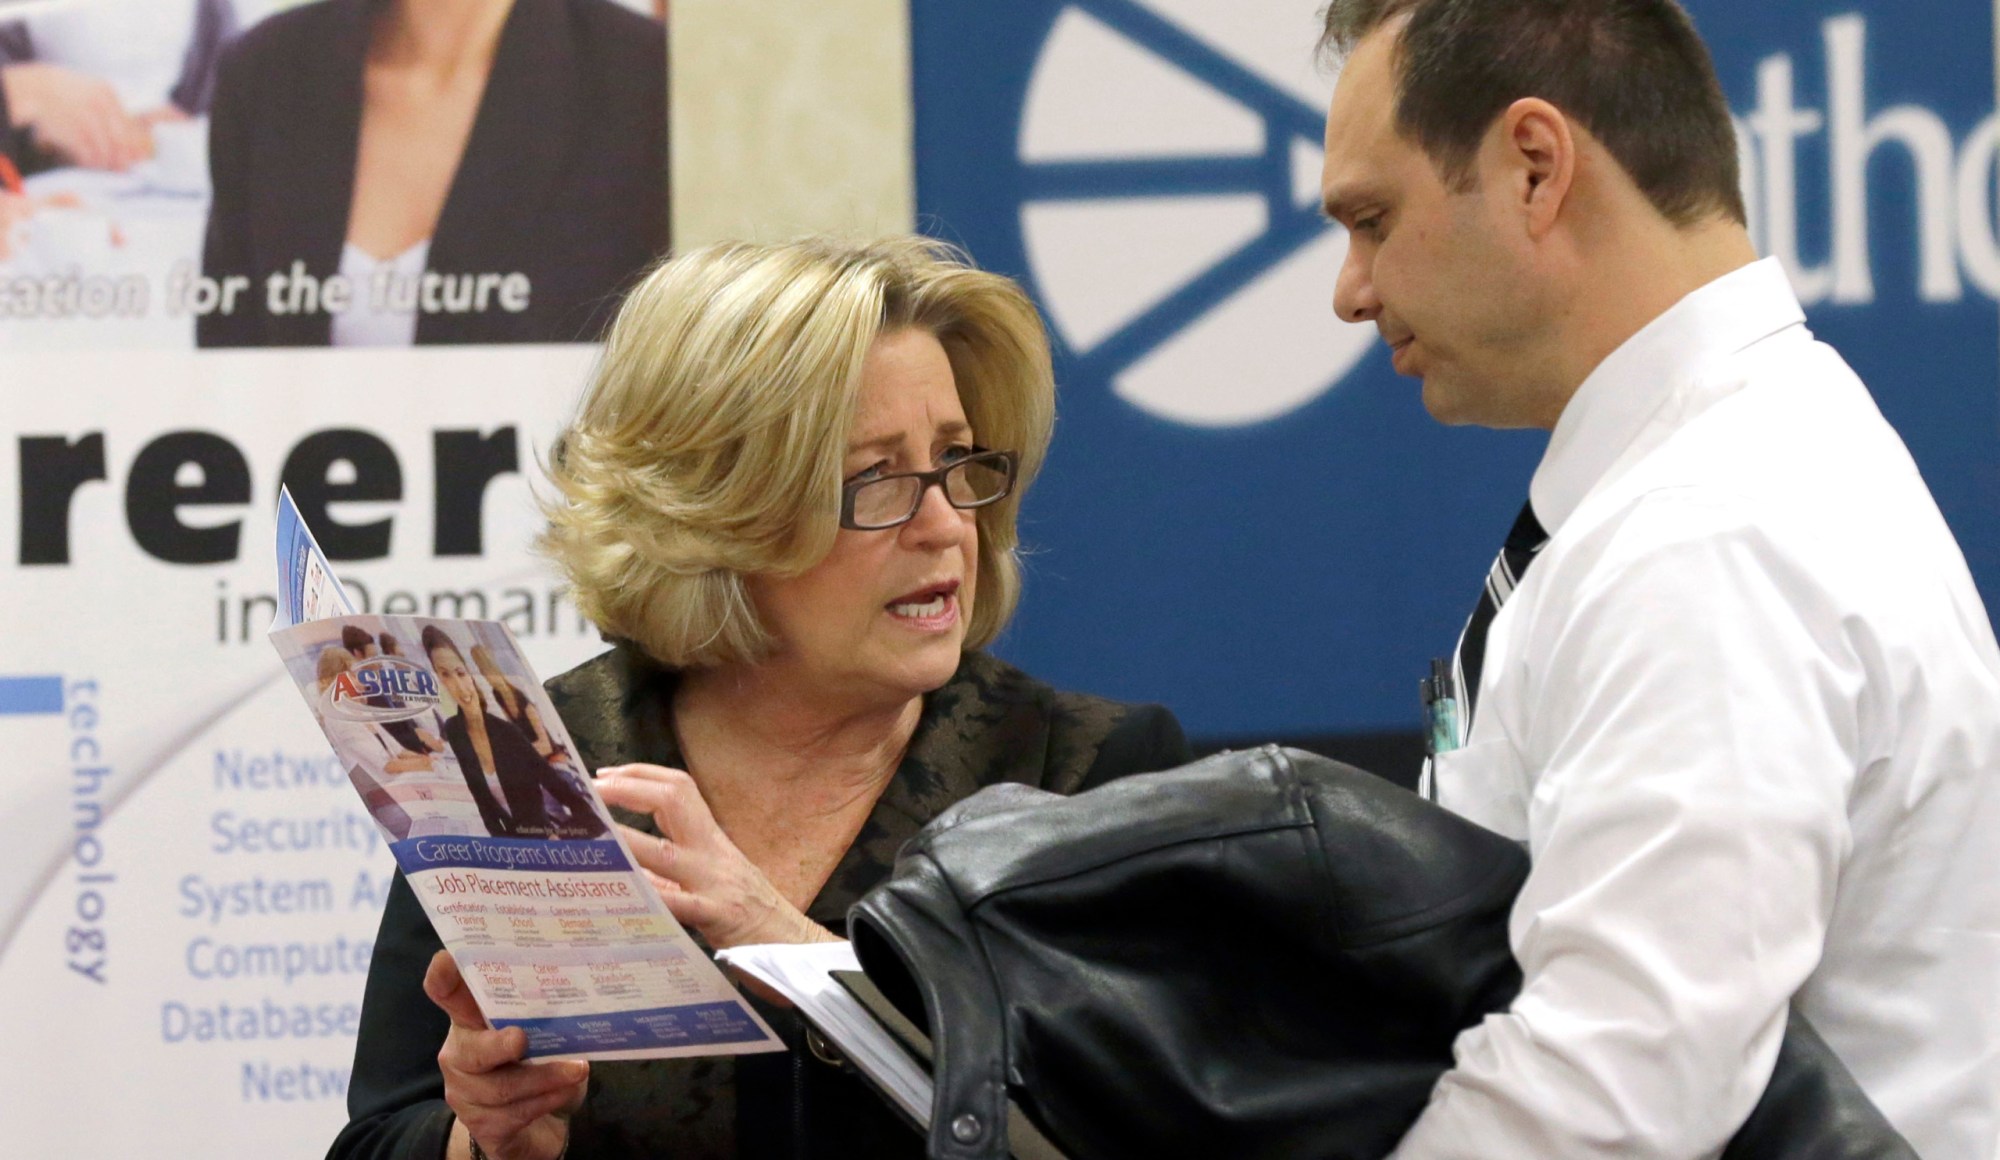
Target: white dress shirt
{"x":361,"y":745}
{"x":383,"y":309}
{"x":1744,"y":710}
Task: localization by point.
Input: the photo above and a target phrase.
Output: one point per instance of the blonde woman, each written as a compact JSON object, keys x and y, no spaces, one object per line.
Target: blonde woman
{"x":790,"y":494}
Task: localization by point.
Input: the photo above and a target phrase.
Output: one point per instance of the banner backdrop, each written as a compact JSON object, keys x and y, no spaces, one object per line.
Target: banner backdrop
{"x":191,"y":887}
{"x":1246,"y":515}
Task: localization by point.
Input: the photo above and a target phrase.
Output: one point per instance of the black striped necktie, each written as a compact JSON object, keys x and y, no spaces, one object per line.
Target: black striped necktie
{"x":1523,"y":541}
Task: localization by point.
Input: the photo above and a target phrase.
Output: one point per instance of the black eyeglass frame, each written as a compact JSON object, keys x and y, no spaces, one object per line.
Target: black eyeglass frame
{"x":1007,"y":460}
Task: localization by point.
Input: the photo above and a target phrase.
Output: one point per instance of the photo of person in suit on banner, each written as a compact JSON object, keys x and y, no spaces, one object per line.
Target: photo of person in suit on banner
{"x":446,"y":171}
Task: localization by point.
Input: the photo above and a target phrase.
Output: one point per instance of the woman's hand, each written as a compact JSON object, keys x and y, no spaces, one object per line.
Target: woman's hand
{"x":167,"y":114}
{"x":407,"y":762}
{"x":14,"y":209}
{"x":516,"y":1110}
{"x":75,"y":115}
{"x":702,"y":877}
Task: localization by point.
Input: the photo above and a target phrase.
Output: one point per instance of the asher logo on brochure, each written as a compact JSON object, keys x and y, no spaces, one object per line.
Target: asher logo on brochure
{"x":381,"y":689}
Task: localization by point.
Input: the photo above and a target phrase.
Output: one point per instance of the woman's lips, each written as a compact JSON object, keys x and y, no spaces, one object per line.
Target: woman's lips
{"x":933,"y":607}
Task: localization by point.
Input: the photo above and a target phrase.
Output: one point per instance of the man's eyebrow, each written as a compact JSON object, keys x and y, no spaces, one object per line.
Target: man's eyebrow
{"x":1339,"y":204}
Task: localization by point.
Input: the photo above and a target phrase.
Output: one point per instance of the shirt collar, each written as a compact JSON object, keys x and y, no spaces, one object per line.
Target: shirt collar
{"x":1666,"y":357}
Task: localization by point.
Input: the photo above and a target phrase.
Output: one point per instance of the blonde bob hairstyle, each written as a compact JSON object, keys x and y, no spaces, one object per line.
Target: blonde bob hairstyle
{"x":709,"y":444}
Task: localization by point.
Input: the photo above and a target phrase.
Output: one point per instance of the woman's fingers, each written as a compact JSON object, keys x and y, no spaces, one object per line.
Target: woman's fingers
{"x":446,"y":987}
{"x":514,"y":1085}
{"x":517,"y":1117}
{"x":669,"y":795}
{"x":476,"y":1052}
{"x":676,"y":874}
{"x":509,"y":1109}
{"x":133,"y":140}
{"x":14,"y":209}
{"x":487,"y":1084}
{"x":656,"y":853}
{"x":486,"y":1069}
{"x":711,"y":887}
{"x":688,"y":908}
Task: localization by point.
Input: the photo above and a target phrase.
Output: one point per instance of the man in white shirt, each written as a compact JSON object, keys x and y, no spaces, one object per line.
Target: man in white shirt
{"x":1743,"y":704}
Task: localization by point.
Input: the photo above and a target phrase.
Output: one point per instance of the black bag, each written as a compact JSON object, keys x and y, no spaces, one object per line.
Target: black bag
{"x":1264,"y":954}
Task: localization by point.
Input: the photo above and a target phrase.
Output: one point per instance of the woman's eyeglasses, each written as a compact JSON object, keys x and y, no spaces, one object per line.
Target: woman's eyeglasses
{"x":886,"y":501}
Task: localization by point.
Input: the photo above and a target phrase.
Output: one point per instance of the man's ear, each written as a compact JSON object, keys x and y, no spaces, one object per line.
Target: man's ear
{"x":1538,"y":149}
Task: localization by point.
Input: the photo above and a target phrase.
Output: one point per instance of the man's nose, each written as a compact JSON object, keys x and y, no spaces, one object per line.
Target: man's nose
{"x":1354,"y":297}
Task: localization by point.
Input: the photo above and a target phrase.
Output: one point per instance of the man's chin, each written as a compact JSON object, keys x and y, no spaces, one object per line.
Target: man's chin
{"x":1455,"y":405}
{"x":1445,"y":404}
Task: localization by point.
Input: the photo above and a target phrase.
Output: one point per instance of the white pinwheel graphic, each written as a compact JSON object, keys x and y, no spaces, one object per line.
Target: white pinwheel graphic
{"x":1171,"y":154}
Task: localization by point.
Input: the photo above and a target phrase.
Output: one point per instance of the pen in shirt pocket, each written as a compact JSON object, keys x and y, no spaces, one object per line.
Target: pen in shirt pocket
{"x":1440,"y":695}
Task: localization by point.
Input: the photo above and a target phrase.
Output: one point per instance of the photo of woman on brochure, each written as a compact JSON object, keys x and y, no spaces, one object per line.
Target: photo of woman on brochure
{"x":519,"y":793}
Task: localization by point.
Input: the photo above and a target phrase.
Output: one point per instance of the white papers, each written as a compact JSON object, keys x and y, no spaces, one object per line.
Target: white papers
{"x":307,"y":588}
{"x":802,"y":973}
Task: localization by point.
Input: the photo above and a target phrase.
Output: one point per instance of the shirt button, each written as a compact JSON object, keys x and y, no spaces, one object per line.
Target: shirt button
{"x":967,"y":1129}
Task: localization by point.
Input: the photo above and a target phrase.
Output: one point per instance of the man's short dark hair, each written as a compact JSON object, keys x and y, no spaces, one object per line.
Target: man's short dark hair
{"x":1633,"y":72}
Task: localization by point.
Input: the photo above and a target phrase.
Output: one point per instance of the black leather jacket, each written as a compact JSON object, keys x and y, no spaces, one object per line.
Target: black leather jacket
{"x":1264,"y":954}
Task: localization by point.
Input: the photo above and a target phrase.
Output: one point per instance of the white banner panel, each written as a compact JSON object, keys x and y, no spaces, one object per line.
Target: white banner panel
{"x":189,"y":887}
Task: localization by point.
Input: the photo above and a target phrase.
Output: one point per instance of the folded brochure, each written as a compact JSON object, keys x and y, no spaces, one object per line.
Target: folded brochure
{"x":807,"y":974}
{"x":476,"y":786}
{"x":826,"y":983}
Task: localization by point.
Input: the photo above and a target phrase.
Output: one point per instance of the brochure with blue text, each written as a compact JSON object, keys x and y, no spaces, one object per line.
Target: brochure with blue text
{"x":475,"y":784}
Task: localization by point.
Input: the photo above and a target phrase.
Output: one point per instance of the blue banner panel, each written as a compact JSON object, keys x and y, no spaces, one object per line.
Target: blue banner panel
{"x":30,"y":696}
{"x":1247,"y":515}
